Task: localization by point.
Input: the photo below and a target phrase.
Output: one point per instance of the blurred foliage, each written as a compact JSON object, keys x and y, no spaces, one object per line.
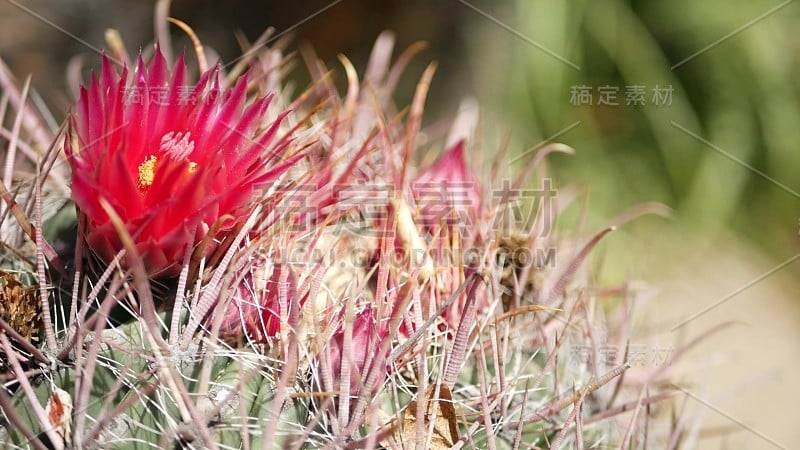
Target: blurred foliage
{"x":731,"y":67}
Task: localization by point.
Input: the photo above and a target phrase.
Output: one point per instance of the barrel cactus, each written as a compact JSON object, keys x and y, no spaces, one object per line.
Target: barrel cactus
{"x":253,"y":269}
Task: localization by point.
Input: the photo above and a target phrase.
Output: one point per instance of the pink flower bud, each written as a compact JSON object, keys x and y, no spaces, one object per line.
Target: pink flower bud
{"x":254,"y":313}
{"x":447,"y":192}
{"x":365,"y":352}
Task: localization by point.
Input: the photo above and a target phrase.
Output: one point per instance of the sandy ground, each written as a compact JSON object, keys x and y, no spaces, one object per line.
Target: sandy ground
{"x":742,"y":382}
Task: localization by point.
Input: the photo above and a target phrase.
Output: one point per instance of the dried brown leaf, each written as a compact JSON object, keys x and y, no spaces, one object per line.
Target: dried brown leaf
{"x":439,"y":417}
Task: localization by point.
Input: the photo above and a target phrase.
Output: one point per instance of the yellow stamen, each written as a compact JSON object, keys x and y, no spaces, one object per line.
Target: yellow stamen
{"x":147,"y":172}
{"x":192,"y":167}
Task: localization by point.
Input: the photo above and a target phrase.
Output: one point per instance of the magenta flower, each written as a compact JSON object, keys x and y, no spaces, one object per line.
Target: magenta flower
{"x":174,"y":161}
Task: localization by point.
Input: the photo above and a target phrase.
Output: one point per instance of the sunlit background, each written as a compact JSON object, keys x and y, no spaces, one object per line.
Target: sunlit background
{"x":692,"y":104}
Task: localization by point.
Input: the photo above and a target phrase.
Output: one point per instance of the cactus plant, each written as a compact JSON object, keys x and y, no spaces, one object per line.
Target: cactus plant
{"x":318,"y":286}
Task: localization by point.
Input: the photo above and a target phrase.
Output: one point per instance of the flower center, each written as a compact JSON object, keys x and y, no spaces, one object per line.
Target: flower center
{"x":177,"y":147}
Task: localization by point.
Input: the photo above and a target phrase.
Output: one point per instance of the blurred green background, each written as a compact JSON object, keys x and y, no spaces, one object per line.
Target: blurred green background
{"x":728,"y":67}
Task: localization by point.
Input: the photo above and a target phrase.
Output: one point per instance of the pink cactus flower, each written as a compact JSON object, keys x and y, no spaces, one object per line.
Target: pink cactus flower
{"x":173,"y":160}
{"x":447,"y":192}
{"x":449,"y":195}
